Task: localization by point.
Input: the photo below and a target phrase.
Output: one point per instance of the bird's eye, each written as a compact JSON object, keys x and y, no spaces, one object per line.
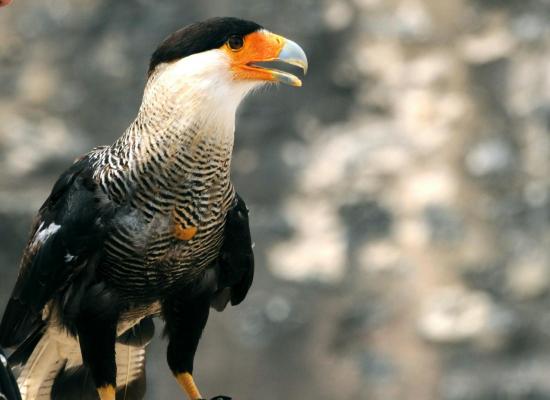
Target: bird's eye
{"x":235,"y":42}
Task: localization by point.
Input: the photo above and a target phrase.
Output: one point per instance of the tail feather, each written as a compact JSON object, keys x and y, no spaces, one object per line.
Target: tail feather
{"x":130,"y":372}
{"x":138,"y":335}
{"x":22,"y":353}
{"x":54,"y":368}
{"x":17,"y":322}
{"x":74,"y":383}
{"x":40,"y":370}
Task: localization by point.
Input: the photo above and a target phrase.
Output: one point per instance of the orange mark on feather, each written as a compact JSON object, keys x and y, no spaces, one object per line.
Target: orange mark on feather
{"x":185,"y":233}
{"x":180,"y":231}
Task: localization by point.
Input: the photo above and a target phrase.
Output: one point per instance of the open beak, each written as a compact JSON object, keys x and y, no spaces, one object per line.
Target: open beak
{"x":266,"y":47}
{"x":290,"y":53}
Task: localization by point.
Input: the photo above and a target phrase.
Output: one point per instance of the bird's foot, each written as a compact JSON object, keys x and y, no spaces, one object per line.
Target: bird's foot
{"x":107,"y":392}
{"x":187,"y":383}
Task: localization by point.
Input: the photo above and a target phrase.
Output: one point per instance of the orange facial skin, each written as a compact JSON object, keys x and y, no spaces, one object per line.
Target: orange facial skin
{"x":258,"y":46}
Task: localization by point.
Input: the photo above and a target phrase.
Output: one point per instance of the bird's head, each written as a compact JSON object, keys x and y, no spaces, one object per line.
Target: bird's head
{"x":223,"y":58}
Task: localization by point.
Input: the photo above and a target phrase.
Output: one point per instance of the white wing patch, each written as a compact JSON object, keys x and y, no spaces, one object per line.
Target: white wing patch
{"x":44,"y":233}
{"x":69,"y":257}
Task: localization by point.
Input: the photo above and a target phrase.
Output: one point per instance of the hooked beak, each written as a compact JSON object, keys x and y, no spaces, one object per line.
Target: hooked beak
{"x":291,"y":54}
{"x":265,"y":47}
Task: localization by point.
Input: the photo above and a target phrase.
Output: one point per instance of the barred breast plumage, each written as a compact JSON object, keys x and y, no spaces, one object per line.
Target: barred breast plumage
{"x":165,"y":173}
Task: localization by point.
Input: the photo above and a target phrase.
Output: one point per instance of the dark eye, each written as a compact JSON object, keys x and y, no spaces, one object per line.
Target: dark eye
{"x":235,"y":42}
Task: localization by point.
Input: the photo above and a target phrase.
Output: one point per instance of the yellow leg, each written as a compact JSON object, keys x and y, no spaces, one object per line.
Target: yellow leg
{"x":106,"y":392}
{"x":187,"y":383}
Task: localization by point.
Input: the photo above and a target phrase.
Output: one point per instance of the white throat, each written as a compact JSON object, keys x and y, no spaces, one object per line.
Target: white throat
{"x":197,"y":91}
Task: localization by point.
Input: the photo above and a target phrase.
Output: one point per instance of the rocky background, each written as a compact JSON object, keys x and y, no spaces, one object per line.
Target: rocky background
{"x":400,"y":200}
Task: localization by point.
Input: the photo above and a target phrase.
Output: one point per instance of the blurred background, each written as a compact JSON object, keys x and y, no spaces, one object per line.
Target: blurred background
{"x":400,"y":200}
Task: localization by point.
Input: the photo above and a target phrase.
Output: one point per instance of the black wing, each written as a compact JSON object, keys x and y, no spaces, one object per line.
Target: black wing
{"x":236,"y":259}
{"x":68,"y":232}
{"x":237,"y":251}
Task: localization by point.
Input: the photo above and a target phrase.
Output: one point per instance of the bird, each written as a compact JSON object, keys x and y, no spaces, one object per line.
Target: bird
{"x":149,"y":226}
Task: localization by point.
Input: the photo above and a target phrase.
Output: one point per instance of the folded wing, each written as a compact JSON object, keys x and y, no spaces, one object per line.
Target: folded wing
{"x":66,"y":237}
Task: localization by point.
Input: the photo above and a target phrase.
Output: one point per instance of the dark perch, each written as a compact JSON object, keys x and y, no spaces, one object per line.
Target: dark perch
{"x":8,"y":385}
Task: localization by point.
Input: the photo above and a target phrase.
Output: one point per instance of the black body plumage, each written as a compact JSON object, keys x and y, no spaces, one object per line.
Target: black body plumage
{"x":103,"y":257}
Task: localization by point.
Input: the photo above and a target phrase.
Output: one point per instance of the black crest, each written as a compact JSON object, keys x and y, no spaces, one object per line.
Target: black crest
{"x":199,"y":37}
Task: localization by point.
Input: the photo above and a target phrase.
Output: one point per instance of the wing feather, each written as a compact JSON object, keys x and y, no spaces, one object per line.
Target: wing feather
{"x":68,"y":231}
{"x":236,"y":258}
